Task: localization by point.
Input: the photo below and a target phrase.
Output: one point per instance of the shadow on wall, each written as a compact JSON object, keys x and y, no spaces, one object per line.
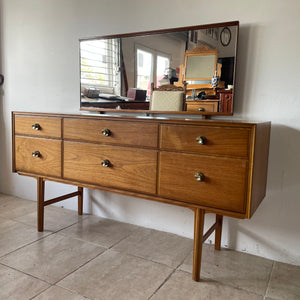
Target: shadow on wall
{"x":247,"y":59}
{"x":277,"y":218}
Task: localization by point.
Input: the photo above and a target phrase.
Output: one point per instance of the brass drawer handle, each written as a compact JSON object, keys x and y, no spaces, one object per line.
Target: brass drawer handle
{"x":36,"y":126}
{"x":199,"y":176}
{"x":105,"y":163}
{"x":106,"y":132}
{"x":201,"y":140}
{"x":201,"y":109}
{"x":36,"y":153}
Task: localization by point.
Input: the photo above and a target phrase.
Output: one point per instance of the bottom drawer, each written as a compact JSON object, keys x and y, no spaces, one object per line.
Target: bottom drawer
{"x":223,"y":187}
{"x":205,"y":107}
{"x":127,"y":168}
{"x":47,"y":160}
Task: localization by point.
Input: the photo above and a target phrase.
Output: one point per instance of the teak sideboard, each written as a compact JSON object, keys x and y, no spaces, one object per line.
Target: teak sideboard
{"x":209,"y":166}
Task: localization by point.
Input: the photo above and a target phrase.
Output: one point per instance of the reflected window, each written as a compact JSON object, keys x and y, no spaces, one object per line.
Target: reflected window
{"x":152,"y":66}
{"x":163,"y":65}
{"x":144,"y":69}
{"x":100,"y":64}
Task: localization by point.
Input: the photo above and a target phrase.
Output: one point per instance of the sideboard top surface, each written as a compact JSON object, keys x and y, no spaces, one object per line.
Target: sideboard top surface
{"x":140,"y":118}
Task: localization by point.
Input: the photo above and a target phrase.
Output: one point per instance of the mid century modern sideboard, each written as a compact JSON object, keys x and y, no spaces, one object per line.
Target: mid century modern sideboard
{"x":209,"y":166}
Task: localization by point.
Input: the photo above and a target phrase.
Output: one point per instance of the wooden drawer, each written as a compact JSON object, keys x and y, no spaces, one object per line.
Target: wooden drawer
{"x":208,"y":107}
{"x":48,"y":126}
{"x":49,"y":162}
{"x":129,"y":169}
{"x":223,"y":187}
{"x":124,"y":133}
{"x":218,"y":140}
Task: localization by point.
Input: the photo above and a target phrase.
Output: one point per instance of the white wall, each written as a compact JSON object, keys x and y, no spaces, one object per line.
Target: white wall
{"x":39,"y":57}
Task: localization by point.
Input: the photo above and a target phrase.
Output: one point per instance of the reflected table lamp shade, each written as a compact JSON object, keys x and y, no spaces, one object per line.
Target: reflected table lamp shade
{"x":167,"y":101}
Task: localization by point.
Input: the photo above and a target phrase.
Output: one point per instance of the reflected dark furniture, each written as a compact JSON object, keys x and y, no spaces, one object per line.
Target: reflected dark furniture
{"x":136,"y":105}
{"x":225,"y":100}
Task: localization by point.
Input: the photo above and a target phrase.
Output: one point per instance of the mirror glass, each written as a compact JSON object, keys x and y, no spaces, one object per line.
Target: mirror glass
{"x":200,"y":67}
{"x":117,"y":72}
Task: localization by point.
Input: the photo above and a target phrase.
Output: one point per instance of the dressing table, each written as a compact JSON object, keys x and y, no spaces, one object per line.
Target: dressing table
{"x":208,"y":166}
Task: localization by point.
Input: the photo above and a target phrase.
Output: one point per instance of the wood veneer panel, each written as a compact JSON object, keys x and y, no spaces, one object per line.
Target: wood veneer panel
{"x":50,"y":126}
{"x":260,"y":165}
{"x":125,"y":133}
{"x":224,"y":186}
{"x":130,"y":169}
{"x":48,"y":164}
{"x":219,"y":140}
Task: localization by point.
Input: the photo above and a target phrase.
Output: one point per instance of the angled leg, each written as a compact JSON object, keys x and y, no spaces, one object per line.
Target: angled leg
{"x":80,"y":200}
{"x":40,"y":203}
{"x":198,"y":236}
{"x":218,"y":233}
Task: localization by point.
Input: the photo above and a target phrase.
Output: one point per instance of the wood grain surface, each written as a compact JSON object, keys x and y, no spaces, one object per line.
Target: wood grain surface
{"x":224,"y":185}
{"x":48,"y":164}
{"x":125,"y":133}
{"x":50,"y":126}
{"x":130,"y":168}
{"x":219,"y":140}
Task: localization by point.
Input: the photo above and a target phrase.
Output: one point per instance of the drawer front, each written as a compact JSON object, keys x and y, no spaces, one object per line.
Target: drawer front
{"x":217,"y":140}
{"x":208,"y":107}
{"x":47,"y":163}
{"x":223,"y":187}
{"x":125,"y":133}
{"x":38,"y":126}
{"x":129,"y":168}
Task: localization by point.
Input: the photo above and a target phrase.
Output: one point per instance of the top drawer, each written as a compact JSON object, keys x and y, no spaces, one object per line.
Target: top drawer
{"x":38,"y":126}
{"x":111,"y":132}
{"x":206,"y":140}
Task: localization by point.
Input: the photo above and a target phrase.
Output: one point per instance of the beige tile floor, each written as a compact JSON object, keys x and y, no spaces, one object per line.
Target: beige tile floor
{"x":86,"y":257}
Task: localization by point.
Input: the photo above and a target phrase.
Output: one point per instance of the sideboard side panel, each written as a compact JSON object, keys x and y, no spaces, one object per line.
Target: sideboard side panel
{"x":260,"y":165}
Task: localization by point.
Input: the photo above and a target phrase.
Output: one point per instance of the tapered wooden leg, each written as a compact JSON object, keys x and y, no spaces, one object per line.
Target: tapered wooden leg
{"x":80,"y":201}
{"x":218,"y":233}
{"x":40,"y":203}
{"x":198,"y":236}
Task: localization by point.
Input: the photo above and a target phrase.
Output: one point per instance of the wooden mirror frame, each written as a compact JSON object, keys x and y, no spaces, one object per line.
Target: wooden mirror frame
{"x":171,"y":30}
{"x":200,"y":51}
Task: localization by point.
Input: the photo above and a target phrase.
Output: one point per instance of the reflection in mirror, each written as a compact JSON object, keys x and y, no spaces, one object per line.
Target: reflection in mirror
{"x":199,"y":67}
{"x":117,"y":71}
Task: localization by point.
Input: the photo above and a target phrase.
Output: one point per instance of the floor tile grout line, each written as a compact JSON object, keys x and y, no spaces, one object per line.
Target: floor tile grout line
{"x":20,"y":271}
{"x":77,"y":268}
{"x":223,"y":283}
{"x":28,"y":244}
{"x":270,"y":277}
{"x":118,"y":242}
{"x":163,"y":283}
{"x":54,"y":285}
{"x":37,"y":240}
{"x":72,"y":291}
{"x":168,"y":277}
{"x":41,"y":292}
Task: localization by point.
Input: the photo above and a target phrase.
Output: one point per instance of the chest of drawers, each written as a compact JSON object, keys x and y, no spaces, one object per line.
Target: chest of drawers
{"x":209,"y":166}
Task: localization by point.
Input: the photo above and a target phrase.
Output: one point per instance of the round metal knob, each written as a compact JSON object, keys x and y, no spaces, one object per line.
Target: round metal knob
{"x":36,"y":153}
{"x":199,"y":176}
{"x":105,"y":163}
{"x":36,"y":126}
{"x":201,"y":109}
{"x":106,"y":132}
{"x":201,"y":140}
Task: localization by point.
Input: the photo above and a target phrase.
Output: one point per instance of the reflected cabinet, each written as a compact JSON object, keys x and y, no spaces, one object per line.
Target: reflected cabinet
{"x":208,"y":166}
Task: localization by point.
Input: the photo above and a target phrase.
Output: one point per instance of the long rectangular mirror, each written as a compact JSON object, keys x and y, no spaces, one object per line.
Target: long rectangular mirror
{"x":119,"y":72}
